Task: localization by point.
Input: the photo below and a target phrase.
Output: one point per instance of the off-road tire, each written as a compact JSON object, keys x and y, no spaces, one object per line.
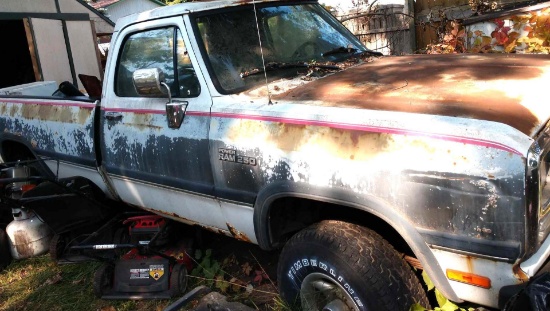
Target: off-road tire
{"x":103,"y":280}
{"x":5,"y":254}
{"x":360,"y":261}
{"x":178,"y":280}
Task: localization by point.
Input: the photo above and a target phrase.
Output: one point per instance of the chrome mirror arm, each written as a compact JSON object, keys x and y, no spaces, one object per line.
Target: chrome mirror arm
{"x":167,"y":91}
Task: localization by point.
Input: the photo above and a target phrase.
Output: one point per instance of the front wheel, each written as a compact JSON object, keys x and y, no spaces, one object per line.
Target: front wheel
{"x":334,"y":265}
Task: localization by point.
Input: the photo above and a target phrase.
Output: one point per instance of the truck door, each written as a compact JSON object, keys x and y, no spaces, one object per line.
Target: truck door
{"x":151,"y":165}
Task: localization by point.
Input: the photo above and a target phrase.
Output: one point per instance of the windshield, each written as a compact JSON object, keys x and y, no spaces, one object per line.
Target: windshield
{"x":289,"y":34}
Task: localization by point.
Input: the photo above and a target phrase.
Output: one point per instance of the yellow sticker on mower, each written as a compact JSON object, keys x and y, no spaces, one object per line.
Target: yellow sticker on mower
{"x":156,"y":271}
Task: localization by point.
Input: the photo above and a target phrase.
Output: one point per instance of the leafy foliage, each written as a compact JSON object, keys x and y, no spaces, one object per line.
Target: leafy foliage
{"x":453,"y":40}
{"x":537,"y":27}
{"x":212,"y":273}
{"x":444,"y":304}
{"x":527,"y":33}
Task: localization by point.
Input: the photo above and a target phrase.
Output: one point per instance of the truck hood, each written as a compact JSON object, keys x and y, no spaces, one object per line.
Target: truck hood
{"x":505,"y":88}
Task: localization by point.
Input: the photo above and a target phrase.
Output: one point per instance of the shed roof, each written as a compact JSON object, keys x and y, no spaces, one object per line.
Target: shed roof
{"x":100,"y":4}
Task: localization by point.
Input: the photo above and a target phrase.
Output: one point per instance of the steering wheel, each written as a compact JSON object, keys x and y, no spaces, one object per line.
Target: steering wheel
{"x":306,"y":49}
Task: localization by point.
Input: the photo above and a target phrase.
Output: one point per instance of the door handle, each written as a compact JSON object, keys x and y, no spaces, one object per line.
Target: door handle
{"x":175,"y":111}
{"x":113,"y":116}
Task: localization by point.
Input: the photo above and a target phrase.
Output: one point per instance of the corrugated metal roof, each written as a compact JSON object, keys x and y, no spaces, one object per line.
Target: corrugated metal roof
{"x":100,"y":4}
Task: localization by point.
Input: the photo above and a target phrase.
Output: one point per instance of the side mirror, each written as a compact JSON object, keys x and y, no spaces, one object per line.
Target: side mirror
{"x":150,"y":82}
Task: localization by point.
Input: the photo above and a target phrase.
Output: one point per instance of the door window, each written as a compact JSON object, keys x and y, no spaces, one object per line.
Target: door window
{"x":162,"y":48}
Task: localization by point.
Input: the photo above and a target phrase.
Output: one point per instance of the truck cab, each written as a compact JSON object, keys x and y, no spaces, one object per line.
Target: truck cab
{"x":271,"y":123}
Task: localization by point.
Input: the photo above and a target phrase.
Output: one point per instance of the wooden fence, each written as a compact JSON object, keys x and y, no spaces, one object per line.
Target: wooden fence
{"x":386,"y":29}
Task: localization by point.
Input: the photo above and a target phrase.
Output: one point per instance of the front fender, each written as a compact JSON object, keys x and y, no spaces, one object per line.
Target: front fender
{"x":366,"y":203}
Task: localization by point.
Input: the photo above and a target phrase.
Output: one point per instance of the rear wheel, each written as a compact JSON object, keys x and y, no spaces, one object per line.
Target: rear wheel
{"x":5,"y":254}
{"x":178,"y":280}
{"x":103,"y":280}
{"x":335,"y":265}
{"x":58,"y":244}
{"x":121,"y":236}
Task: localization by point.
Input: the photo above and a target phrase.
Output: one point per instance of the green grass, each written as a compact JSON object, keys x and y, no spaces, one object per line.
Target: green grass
{"x":40,"y":284}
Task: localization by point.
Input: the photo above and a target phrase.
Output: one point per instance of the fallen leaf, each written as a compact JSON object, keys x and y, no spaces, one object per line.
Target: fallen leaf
{"x":54,"y":279}
{"x":221,"y":284}
{"x":260,"y":276}
{"x":246,"y":268}
{"x":236,"y":285}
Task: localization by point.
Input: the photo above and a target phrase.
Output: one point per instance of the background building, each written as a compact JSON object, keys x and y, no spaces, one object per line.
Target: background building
{"x":50,"y":40}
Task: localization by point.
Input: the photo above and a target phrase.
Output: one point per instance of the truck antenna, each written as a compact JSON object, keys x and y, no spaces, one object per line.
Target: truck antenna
{"x":262,"y":52}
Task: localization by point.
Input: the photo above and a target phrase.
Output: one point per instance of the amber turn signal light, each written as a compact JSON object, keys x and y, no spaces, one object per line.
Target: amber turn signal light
{"x":469,"y":278}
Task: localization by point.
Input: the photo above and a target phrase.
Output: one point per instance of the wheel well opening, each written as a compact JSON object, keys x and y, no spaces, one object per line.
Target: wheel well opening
{"x":14,"y":151}
{"x":290,"y":215}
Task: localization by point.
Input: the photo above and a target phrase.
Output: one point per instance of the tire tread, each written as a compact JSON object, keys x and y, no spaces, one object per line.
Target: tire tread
{"x":377,"y":261}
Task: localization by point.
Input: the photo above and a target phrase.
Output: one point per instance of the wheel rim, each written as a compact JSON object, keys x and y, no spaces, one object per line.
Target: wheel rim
{"x":319,"y":292}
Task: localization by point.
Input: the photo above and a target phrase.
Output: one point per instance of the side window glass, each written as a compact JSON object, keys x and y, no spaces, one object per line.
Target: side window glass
{"x":188,"y":84}
{"x":156,"y":49}
{"x":144,"y":50}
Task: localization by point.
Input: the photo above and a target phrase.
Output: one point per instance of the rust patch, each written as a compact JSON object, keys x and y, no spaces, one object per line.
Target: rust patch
{"x":237,"y":234}
{"x":23,"y":244}
{"x":29,"y":111}
{"x":56,"y":113}
{"x":470,"y":264}
{"x":215,"y":230}
{"x":65,"y":116}
{"x":14,"y":110}
{"x":173,"y":215}
{"x":447,"y":85}
{"x":3,"y":109}
{"x":83,"y":115}
{"x":519,"y":274}
{"x":143,"y":121}
{"x":340,"y":143}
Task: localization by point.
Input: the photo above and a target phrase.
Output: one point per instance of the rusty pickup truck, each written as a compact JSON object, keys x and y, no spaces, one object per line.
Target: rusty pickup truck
{"x":270,"y":122}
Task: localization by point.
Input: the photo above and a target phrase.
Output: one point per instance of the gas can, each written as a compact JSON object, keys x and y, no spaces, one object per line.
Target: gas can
{"x":28,"y":236}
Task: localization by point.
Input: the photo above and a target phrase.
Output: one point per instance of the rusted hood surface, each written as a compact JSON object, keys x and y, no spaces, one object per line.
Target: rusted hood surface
{"x":510,"y":89}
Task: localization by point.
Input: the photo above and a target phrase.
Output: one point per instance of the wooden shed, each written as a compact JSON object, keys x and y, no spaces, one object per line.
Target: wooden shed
{"x":50,"y":40}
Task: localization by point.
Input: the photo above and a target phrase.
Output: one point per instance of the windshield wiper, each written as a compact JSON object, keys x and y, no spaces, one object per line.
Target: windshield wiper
{"x":273,"y":66}
{"x":372,"y":53}
{"x":340,"y":50}
{"x":349,"y":50}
